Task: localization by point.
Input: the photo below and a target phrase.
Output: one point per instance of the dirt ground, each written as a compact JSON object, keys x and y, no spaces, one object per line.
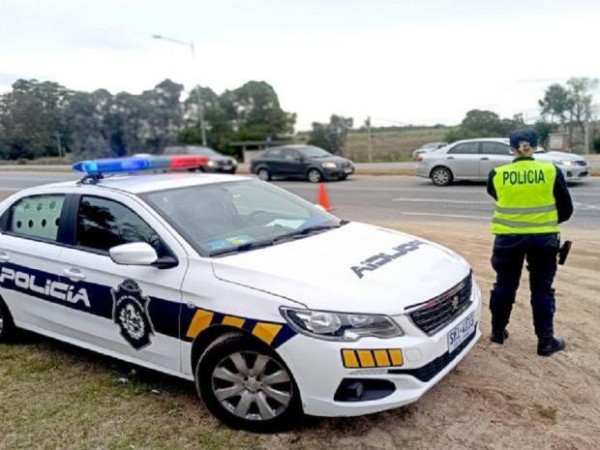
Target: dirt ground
{"x":501,"y":396}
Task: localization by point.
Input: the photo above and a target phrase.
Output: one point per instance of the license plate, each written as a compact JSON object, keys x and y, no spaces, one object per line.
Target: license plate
{"x":227,"y":167}
{"x":347,"y":170}
{"x":460,"y":332}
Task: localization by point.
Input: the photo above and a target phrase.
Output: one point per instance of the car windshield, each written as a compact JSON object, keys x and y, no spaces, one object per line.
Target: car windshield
{"x":202,"y":151}
{"x":431,"y":145}
{"x":224,"y":218}
{"x":314,"y":152}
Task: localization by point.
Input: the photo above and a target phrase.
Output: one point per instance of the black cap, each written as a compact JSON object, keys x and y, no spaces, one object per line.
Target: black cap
{"x":527,"y":135}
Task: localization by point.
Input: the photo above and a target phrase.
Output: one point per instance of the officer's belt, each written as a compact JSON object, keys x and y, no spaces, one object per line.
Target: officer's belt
{"x":540,"y":209}
{"x":512,"y":223}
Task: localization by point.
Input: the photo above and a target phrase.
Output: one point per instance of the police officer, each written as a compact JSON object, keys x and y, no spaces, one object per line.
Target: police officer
{"x":531,"y":200}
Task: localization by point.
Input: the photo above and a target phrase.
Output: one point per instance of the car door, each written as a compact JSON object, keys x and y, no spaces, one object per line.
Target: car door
{"x":274,"y":161}
{"x":31,"y":281}
{"x":134,"y":310}
{"x":463,"y":160}
{"x":493,"y":154}
{"x":293,"y":163}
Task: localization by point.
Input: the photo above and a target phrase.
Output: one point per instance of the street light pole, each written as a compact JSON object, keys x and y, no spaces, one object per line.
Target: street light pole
{"x":200,"y":105}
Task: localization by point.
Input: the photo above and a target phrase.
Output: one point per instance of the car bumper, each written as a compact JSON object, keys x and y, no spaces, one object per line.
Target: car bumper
{"x":220,"y":169}
{"x":422,"y":170}
{"x":576,"y":173}
{"x":338,"y":172}
{"x":318,"y":367}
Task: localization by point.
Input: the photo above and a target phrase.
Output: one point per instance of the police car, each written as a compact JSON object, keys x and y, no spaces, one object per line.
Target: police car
{"x":272,"y":306}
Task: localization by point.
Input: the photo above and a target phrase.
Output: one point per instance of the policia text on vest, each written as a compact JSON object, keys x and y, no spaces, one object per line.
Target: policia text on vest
{"x":524,"y":177}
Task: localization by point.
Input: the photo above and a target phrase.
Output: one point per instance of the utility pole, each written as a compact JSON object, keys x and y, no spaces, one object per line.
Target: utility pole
{"x":60,"y":153}
{"x":586,"y":127}
{"x":369,"y":140}
{"x":200,"y":105}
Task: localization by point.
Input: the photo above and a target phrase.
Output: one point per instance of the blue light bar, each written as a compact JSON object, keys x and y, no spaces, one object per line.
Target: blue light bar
{"x":135,"y":164}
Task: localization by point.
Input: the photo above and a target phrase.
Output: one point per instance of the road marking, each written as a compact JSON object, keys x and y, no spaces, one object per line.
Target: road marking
{"x":456,"y":216}
{"x":438,"y":200}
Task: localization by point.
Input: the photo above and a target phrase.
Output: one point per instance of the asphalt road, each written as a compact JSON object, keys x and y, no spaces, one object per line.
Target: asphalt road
{"x":388,"y":198}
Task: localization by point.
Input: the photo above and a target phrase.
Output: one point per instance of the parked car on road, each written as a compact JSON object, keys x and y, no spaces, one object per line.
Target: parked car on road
{"x":301,"y":161}
{"x":217,"y":162}
{"x":429,"y":146}
{"x":473,"y":159}
{"x":270,"y":305}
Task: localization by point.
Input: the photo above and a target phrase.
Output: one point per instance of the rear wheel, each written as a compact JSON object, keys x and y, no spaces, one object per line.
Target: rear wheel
{"x":7,"y":325}
{"x":314,"y":176}
{"x":246,"y":385}
{"x":263,"y":174}
{"x":441,"y":176}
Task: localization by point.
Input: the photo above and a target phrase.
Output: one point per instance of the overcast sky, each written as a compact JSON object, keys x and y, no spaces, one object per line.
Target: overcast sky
{"x":401,"y":62}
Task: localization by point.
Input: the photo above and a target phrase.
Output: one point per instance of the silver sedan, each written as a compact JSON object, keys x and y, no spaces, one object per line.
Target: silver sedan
{"x":473,"y":159}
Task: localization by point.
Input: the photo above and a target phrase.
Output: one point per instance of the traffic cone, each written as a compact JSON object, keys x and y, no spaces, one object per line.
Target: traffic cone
{"x":324,"y":198}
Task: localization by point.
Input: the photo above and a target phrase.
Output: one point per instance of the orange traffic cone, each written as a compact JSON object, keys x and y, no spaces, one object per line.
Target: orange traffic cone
{"x":324,"y":198}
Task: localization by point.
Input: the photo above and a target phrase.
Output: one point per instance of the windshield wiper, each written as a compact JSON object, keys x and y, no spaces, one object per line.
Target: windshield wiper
{"x":304,"y":232}
{"x":242,"y":248}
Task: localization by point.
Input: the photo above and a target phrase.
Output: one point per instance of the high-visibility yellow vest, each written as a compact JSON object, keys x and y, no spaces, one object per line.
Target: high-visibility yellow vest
{"x":526,"y":204}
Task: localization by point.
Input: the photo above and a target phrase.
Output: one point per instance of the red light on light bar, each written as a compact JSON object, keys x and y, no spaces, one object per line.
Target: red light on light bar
{"x":183,"y":161}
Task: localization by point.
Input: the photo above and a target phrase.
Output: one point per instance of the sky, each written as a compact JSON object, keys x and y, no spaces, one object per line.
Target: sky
{"x":420,"y":62}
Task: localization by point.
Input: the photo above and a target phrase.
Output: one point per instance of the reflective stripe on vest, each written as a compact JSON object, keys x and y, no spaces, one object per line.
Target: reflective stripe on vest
{"x":526,"y":204}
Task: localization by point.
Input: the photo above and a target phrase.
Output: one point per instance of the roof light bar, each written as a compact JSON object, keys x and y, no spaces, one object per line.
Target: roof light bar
{"x":135,"y":164}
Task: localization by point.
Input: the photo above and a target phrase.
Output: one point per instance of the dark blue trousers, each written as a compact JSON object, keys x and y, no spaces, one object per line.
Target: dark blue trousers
{"x":510,"y":251}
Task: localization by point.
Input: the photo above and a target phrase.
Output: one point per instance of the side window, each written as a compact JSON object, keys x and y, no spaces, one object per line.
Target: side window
{"x":274,"y":153}
{"x":37,"y":216}
{"x":495,"y":148}
{"x":469,"y":148}
{"x":290,"y":155}
{"x":103,"y":224}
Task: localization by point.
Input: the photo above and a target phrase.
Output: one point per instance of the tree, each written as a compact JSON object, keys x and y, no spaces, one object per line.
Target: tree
{"x":482,"y":121}
{"x":331,"y":136}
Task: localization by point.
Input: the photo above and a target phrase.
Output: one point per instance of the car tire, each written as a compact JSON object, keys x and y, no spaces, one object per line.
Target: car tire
{"x":263,"y":174}
{"x":314,"y":176}
{"x":7,"y":324}
{"x":441,"y":176}
{"x":227,"y":382}
{"x":343,"y":178}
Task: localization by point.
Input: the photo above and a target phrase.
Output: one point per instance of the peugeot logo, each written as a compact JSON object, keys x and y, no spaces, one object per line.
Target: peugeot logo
{"x":454,"y":303}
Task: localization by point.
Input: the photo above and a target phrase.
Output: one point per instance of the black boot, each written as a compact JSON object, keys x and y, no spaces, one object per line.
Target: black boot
{"x":549,"y":345}
{"x":499,"y":336}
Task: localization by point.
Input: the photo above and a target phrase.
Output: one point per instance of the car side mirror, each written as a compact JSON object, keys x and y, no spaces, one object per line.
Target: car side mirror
{"x":134,"y":254}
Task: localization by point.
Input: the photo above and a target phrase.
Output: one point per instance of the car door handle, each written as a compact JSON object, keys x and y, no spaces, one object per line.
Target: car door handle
{"x":74,"y":274}
{"x":4,"y":256}
{"x":449,"y":157}
{"x":485,"y":158}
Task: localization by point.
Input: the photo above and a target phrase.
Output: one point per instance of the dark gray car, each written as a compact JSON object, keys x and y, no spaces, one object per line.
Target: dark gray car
{"x":301,"y":161}
{"x":217,"y":162}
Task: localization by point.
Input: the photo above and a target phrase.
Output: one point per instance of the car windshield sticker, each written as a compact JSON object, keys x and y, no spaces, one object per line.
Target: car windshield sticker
{"x":218,"y":245}
{"x":380,"y":259}
{"x":240,"y":240}
{"x":286,"y":223}
{"x":130,"y":312}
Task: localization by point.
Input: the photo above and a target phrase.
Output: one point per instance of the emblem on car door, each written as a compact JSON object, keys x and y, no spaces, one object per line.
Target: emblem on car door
{"x":130,"y":312}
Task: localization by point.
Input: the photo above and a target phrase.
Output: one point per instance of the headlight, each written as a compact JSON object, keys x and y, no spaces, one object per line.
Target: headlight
{"x":329,"y":165}
{"x":210,"y":163}
{"x":334,"y":326}
{"x":565,"y":163}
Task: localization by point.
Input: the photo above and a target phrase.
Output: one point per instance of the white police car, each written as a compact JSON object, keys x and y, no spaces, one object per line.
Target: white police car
{"x":272,"y":306}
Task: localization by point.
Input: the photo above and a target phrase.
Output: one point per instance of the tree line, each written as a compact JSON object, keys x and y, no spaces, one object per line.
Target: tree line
{"x":39,"y":119}
{"x":567,"y":108}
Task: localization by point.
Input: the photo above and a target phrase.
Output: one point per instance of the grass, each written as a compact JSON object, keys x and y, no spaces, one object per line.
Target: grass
{"x":53,"y":395}
{"x":391,"y":146}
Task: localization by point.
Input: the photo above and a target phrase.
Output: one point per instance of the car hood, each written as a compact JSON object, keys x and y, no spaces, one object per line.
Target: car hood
{"x":355,"y":268}
{"x":557,"y":156}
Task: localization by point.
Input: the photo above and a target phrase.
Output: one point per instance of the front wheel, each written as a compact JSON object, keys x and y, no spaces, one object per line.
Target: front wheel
{"x":7,"y":325}
{"x":441,"y":176}
{"x":246,"y":385}
{"x":314,"y":176}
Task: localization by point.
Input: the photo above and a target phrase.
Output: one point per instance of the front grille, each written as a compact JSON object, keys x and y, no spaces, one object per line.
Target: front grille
{"x":430,"y":370}
{"x":435,"y":314}
{"x":580,"y":163}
